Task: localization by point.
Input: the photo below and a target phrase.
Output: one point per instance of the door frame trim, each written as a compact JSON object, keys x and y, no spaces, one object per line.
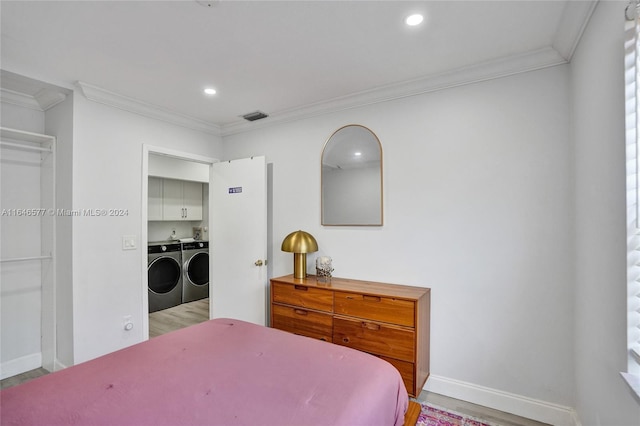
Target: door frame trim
{"x":181,"y":155}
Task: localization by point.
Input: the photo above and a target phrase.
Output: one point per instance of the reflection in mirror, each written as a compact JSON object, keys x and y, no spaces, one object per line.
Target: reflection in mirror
{"x":352,"y":178}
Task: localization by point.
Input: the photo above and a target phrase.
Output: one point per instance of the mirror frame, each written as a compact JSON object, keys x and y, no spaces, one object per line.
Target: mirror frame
{"x":322,"y":218}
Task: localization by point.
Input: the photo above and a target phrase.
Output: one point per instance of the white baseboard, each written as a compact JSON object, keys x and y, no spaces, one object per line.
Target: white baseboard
{"x":20,"y":365}
{"x":58,"y":366}
{"x":519,"y":405}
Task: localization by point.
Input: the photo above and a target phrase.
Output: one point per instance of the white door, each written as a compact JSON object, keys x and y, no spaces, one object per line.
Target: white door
{"x":238,"y":240}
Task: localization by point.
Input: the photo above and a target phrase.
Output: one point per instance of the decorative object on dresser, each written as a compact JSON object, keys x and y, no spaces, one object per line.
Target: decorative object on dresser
{"x":299,"y":243}
{"x":324,"y":269}
{"x":387,"y":320}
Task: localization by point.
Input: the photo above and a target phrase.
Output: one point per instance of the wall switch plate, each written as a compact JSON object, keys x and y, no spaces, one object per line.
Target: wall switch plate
{"x":129,"y":242}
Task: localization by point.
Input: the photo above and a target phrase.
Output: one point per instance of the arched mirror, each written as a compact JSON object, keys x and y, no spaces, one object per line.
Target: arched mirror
{"x":352,"y":178}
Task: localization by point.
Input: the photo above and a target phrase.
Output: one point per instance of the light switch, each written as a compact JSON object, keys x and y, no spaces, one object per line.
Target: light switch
{"x":129,"y":242}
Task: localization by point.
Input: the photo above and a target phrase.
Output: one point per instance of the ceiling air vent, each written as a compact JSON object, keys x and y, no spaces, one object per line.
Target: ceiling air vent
{"x":253,"y":116}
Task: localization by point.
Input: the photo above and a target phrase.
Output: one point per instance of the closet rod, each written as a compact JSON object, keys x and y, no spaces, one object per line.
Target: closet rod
{"x":22,"y":259}
{"x":25,"y":147}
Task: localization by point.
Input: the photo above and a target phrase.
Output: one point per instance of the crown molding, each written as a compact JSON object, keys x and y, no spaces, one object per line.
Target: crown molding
{"x":574,"y":20}
{"x":97,"y":94}
{"x":490,"y":70}
{"x":48,"y":98}
{"x":19,"y":99}
{"x":511,"y":65}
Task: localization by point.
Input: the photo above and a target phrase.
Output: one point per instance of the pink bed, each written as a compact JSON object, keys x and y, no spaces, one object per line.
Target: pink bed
{"x":221,"y":372}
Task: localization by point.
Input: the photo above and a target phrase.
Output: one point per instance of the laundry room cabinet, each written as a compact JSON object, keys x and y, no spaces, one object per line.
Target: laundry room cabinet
{"x":174,"y":200}
{"x":154,"y":205}
{"x":181,"y":200}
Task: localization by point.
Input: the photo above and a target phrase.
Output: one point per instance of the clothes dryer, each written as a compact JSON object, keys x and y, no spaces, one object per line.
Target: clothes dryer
{"x":164,"y":272}
{"x":195,"y":270}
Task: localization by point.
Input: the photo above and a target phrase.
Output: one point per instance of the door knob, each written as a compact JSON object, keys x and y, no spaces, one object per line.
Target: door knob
{"x":259,"y":262}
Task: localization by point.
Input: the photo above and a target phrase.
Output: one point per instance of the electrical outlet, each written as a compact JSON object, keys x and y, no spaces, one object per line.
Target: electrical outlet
{"x":127,"y":322}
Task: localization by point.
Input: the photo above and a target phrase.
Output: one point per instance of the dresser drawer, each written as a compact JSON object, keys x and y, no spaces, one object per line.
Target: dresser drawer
{"x":303,"y":296}
{"x":407,"y":372}
{"x":377,"y":308}
{"x":376,"y":338}
{"x":302,"y":321}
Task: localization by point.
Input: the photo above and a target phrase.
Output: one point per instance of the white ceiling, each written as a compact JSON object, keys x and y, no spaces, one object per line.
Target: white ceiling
{"x":280,"y":57}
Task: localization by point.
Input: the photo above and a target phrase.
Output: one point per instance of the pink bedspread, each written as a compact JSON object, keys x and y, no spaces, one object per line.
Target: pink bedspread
{"x":221,"y":372}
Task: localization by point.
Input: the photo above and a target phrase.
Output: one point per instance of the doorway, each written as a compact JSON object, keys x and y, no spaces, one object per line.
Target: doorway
{"x":175,"y":222}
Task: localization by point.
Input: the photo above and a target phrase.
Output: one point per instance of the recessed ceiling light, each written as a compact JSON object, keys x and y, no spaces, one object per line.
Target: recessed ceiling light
{"x":358,"y":154}
{"x":210,"y":91}
{"x":414,"y":20}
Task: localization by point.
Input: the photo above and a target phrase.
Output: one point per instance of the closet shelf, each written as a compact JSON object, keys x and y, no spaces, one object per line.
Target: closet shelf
{"x":19,"y":139}
{"x":24,"y":147}
{"x":24,"y":259}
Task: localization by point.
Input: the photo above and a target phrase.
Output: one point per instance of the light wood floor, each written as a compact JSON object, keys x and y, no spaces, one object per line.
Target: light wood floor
{"x":181,"y":316}
{"x":22,"y":378}
{"x":187,"y":314}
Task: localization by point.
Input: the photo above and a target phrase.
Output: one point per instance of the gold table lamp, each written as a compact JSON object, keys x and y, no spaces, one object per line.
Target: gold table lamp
{"x":299,"y":243}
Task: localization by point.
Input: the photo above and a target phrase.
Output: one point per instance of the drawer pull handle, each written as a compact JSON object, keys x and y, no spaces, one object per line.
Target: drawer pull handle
{"x":300,"y":287}
{"x":370,"y":326}
{"x":345,"y":339}
{"x":300,"y":312}
{"x":371,"y":298}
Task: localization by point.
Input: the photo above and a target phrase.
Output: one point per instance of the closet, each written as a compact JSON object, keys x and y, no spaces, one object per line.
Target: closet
{"x":27,"y":252}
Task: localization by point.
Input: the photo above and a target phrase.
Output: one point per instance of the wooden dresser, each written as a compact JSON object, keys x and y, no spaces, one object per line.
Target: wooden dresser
{"x":387,"y":320}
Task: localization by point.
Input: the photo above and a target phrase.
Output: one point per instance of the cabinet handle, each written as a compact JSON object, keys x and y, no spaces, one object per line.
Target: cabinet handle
{"x":345,"y":339}
{"x":300,"y":287}
{"x":371,"y":298}
{"x":370,"y":326}
{"x":300,"y":312}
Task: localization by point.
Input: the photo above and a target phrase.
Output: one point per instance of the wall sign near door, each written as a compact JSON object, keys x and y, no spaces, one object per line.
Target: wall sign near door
{"x":235,"y":190}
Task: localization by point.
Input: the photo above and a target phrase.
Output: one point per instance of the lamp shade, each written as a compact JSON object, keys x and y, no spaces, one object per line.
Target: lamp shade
{"x":299,"y":242}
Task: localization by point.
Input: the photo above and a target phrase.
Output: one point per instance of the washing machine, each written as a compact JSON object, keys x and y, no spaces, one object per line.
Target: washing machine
{"x":195,"y":270}
{"x":164,"y":272}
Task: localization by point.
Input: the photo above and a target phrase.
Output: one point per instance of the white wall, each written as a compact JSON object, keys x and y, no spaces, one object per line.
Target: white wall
{"x":107,"y":173}
{"x":478,"y":206}
{"x":21,"y":118}
{"x":600,"y":293}
{"x":173,"y":168}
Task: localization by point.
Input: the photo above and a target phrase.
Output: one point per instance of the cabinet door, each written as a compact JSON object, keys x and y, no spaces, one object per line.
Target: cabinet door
{"x":154,"y":205}
{"x":172,"y":208}
{"x":192,"y":200}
